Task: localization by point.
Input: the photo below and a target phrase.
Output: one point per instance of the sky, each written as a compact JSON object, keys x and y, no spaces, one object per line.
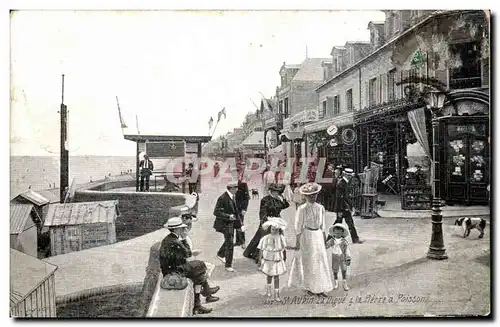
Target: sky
{"x":173,"y":69}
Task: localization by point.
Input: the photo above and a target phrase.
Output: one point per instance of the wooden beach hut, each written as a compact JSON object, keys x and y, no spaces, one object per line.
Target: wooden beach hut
{"x":23,"y":229}
{"x":81,"y":225}
{"x":32,"y":287}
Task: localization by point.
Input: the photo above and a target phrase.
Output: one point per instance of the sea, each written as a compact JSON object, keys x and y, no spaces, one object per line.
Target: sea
{"x":42,"y":172}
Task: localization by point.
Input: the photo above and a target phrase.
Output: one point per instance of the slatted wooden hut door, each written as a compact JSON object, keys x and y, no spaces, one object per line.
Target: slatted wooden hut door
{"x":73,"y":239}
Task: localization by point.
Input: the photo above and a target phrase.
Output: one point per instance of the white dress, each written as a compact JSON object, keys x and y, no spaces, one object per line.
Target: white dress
{"x":272,"y":247}
{"x":310,"y":266}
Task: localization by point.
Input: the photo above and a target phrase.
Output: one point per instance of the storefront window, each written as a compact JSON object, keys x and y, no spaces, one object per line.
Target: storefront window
{"x":478,"y":163}
{"x":456,"y":156}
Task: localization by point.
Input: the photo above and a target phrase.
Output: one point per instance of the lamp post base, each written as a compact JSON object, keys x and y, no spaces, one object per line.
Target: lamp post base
{"x":437,"y":254}
{"x":436,"y":248}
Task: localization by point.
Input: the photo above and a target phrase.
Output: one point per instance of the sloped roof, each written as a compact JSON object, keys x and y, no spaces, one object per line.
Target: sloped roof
{"x":20,"y":217}
{"x":253,"y":139}
{"x":78,"y":213}
{"x":26,"y":274}
{"x":52,"y":195}
{"x":311,"y":70}
{"x":34,"y":197}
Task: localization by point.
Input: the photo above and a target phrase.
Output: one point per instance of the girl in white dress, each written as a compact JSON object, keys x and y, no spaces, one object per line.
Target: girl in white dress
{"x":310,"y":267}
{"x":272,"y":246}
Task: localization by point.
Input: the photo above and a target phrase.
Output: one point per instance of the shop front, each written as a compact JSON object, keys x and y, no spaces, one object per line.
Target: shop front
{"x":393,"y":144}
{"x":333,"y":139}
{"x":465,"y":148}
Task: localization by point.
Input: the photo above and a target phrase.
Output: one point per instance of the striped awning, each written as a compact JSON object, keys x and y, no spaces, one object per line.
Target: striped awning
{"x":344,"y":119}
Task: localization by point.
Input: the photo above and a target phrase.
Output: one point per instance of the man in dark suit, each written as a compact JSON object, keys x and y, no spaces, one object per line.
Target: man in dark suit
{"x":174,"y":252}
{"x":344,"y":205}
{"x":146,"y":166}
{"x":242,"y":198}
{"x":227,"y":220}
{"x":192,"y":173}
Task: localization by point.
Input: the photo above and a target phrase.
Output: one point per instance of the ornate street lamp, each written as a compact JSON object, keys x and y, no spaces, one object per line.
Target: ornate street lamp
{"x":435,"y":102}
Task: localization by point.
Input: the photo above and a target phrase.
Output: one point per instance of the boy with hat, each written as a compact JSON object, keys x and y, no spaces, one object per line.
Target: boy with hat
{"x":344,"y":205}
{"x":341,"y":256}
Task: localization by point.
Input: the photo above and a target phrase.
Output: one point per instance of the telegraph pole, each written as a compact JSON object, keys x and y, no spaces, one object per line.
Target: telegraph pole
{"x":64,"y":173}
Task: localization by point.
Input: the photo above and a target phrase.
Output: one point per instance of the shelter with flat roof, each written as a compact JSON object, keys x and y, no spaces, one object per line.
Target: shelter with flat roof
{"x":161,"y":149}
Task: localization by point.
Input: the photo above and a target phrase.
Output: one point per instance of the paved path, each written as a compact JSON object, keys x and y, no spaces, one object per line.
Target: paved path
{"x":391,"y":262}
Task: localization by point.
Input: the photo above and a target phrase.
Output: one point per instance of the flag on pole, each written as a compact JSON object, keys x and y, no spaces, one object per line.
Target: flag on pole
{"x":210,"y":123}
{"x":122,"y":122}
{"x":222,"y":112}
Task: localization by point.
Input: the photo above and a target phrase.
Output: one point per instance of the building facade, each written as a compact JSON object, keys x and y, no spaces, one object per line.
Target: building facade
{"x":375,"y":99}
{"x":297,"y":101}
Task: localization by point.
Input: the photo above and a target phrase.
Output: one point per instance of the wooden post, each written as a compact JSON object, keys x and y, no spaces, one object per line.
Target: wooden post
{"x":137,"y":167}
{"x":64,"y":169}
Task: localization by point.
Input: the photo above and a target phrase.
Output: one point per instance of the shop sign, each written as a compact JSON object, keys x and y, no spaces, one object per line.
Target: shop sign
{"x":332,"y":130}
{"x":348,"y":136}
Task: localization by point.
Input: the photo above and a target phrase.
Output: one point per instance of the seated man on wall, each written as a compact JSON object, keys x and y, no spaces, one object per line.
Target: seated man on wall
{"x":188,"y":216}
{"x":174,"y":252}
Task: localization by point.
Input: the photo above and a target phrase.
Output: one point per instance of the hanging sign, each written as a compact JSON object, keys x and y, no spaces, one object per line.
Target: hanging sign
{"x":332,"y":130}
{"x":418,"y":59}
{"x":348,"y":136}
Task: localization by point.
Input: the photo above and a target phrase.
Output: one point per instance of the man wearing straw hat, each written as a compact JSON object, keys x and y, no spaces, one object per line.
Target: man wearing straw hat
{"x":174,"y":252}
{"x":227,"y":220}
{"x":343,"y":204}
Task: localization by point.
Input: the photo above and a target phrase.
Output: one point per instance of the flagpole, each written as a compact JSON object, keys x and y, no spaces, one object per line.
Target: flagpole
{"x":254,"y":104}
{"x":137,"y":124}
{"x":120,"y":115}
{"x":215,"y":127}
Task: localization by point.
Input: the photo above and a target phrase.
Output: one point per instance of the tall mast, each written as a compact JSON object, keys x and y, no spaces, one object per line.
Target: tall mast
{"x":64,"y":173}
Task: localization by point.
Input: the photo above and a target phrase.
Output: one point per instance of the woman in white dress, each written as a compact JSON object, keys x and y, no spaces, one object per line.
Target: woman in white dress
{"x":310,"y":267}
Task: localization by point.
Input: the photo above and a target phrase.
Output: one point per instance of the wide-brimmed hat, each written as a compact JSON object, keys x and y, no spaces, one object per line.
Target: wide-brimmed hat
{"x":275,"y":222}
{"x":277,"y":187}
{"x":310,"y":188}
{"x":348,"y":171}
{"x":175,"y":222}
{"x":345,"y":232}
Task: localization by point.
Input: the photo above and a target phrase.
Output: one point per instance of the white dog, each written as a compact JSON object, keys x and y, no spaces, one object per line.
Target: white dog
{"x":468,"y":223}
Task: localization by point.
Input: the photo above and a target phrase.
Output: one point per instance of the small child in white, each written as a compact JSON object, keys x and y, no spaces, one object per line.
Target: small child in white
{"x":341,"y":256}
{"x":272,"y":261}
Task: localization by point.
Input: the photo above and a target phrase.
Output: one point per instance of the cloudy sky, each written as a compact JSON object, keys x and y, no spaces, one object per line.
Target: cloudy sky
{"x":173,"y":69}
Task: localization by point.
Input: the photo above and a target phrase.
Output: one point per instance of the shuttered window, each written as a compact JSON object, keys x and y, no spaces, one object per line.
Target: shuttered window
{"x":336,"y":105}
{"x":372,"y":96}
{"x":391,"y":80}
{"x":329,"y":105}
{"x":322,"y":111}
{"x":348,"y":100}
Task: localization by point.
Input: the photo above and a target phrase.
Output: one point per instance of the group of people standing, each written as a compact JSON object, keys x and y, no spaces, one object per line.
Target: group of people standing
{"x":311,"y":270}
